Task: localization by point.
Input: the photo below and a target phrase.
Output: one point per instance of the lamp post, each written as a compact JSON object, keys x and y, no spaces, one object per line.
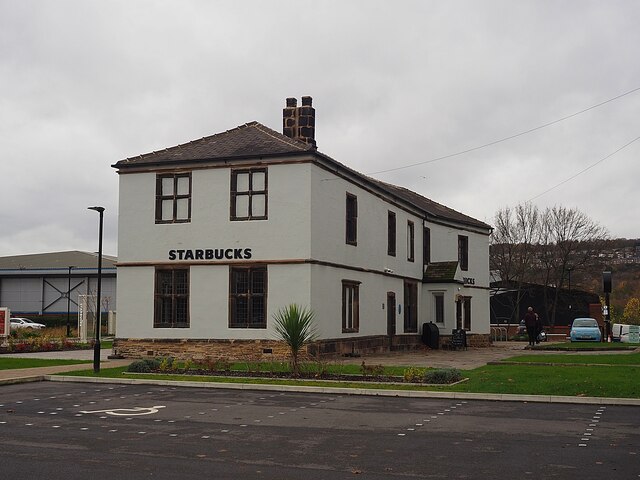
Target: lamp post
{"x":69,"y":302}
{"x":570,"y":268}
{"x":96,"y":346}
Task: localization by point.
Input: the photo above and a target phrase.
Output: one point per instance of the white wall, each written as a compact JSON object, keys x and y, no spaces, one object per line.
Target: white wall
{"x":306,"y":220}
{"x":285,"y":235}
{"x":208,"y":302}
{"x":328,"y":206}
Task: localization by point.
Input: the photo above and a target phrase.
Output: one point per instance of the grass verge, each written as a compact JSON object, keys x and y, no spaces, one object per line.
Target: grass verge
{"x":577,"y":346}
{"x":588,"y":381}
{"x":15,"y":363}
{"x":578,"y":359}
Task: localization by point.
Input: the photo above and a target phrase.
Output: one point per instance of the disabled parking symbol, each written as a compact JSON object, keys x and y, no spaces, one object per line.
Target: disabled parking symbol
{"x":128,"y":412}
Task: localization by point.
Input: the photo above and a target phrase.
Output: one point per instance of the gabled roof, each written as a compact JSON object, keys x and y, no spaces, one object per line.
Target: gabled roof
{"x":440,"y":272}
{"x":435,"y":210}
{"x":56,"y":260}
{"x":250,"y":140}
{"x":254,"y":140}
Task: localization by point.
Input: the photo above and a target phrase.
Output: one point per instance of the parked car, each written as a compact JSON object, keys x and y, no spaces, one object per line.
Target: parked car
{"x":17,"y":322}
{"x":620,"y":332}
{"x":585,"y":330}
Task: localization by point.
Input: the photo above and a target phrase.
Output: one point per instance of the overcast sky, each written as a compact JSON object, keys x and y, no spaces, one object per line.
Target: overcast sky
{"x":84,"y":84}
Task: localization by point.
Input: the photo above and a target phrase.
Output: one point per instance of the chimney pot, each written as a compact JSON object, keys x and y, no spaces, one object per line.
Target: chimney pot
{"x":299,"y":122}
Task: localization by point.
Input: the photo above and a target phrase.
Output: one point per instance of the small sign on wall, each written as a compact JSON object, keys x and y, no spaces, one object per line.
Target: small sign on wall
{"x":5,"y":321}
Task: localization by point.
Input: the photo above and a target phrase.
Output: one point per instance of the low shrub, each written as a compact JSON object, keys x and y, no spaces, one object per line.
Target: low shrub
{"x":414,"y":374}
{"x":166,"y":364}
{"x":443,"y":376}
{"x":139,"y":366}
{"x":371,"y":370}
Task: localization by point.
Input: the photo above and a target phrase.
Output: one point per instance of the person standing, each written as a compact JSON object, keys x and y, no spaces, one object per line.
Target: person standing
{"x":531,"y":323}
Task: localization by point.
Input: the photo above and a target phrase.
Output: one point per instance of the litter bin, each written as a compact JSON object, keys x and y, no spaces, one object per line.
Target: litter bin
{"x":430,"y":335}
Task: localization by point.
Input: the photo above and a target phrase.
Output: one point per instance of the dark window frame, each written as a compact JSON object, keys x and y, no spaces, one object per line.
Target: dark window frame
{"x":463,"y":313}
{"x":174,"y":197}
{"x":426,"y":246}
{"x":351,"y":219}
{"x":248,"y":297}
{"x":173,"y":299}
{"x":350,"y":306}
{"x":438,"y":307}
{"x":250,"y":193}
{"x":466,"y":306}
{"x":391,"y":233}
{"x":463,"y":252}
{"x":411,"y":241}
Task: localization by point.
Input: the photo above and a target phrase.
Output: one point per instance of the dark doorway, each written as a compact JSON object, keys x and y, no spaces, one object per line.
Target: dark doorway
{"x":410,"y":307}
{"x":391,"y":314}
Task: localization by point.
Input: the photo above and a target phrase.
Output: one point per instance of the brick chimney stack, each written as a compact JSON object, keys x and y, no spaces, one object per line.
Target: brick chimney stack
{"x":299,"y":123}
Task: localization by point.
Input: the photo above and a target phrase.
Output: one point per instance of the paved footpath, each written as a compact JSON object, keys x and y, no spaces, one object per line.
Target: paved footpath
{"x":21,"y":375}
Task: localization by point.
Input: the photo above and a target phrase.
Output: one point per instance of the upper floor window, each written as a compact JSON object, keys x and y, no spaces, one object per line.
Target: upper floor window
{"x":410,"y":241}
{"x":463,"y":252}
{"x":391,"y":234}
{"x":352,"y":219}
{"x":426,"y":246}
{"x":173,"y":198}
{"x":249,"y":194}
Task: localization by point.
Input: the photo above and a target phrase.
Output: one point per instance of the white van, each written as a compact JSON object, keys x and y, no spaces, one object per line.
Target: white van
{"x":620,"y":332}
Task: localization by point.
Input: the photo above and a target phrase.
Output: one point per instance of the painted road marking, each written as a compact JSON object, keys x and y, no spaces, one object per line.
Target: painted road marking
{"x":128,"y":411}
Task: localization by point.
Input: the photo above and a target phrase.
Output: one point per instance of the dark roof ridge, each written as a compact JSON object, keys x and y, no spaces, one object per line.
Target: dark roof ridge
{"x":205,"y":147}
{"x":424,"y":203}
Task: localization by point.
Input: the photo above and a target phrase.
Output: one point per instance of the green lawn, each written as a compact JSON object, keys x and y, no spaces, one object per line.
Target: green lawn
{"x":9,"y":363}
{"x":581,"y":359}
{"x":588,"y":381}
{"x":588,"y":346}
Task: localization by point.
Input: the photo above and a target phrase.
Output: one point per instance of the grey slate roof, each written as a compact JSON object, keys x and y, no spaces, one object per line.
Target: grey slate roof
{"x":256,"y":140}
{"x":434,"y":209}
{"x":56,"y":260}
{"x":250,"y":140}
{"x":440,"y":272}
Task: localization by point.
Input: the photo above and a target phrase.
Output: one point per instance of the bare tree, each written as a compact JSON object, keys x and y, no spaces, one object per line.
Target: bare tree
{"x":544,"y":248}
{"x":571,"y":242}
{"x":513,"y":246}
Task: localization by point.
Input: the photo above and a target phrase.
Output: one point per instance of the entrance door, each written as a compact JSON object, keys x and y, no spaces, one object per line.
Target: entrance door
{"x":410,"y":307}
{"x":391,"y":314}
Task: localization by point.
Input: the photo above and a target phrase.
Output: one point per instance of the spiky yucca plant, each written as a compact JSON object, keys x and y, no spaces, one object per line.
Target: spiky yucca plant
{"x":294,"y":326}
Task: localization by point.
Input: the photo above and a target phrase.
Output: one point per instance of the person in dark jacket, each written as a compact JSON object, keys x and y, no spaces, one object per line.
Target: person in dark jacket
{"x":531,"y":323}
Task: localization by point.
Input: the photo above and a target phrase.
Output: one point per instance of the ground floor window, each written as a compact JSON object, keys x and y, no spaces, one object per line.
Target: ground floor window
{"x":410,"y":307}
{"x":248,"y":297}
{"x":438,"y":307}
{"x":350,"y":306}
{"x":171,"y":298}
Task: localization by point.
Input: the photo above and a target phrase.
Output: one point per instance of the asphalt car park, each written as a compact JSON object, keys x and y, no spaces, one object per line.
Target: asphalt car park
{"x":69,"y":431}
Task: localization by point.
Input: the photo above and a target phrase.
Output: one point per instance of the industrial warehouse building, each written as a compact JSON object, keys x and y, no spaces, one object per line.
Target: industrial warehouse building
{"x":218,"y":234}
{"x":48,"y":284}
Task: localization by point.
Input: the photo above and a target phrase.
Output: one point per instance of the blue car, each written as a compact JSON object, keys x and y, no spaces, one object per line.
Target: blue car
{"x":585,"y":330}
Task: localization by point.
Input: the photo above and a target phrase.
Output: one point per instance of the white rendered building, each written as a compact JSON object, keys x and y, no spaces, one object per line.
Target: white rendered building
{"x":218,"y":234}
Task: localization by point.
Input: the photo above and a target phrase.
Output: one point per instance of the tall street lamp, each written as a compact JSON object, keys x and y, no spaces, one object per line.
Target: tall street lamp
{"x":96,"y":346}
{"x":69,"y":302}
